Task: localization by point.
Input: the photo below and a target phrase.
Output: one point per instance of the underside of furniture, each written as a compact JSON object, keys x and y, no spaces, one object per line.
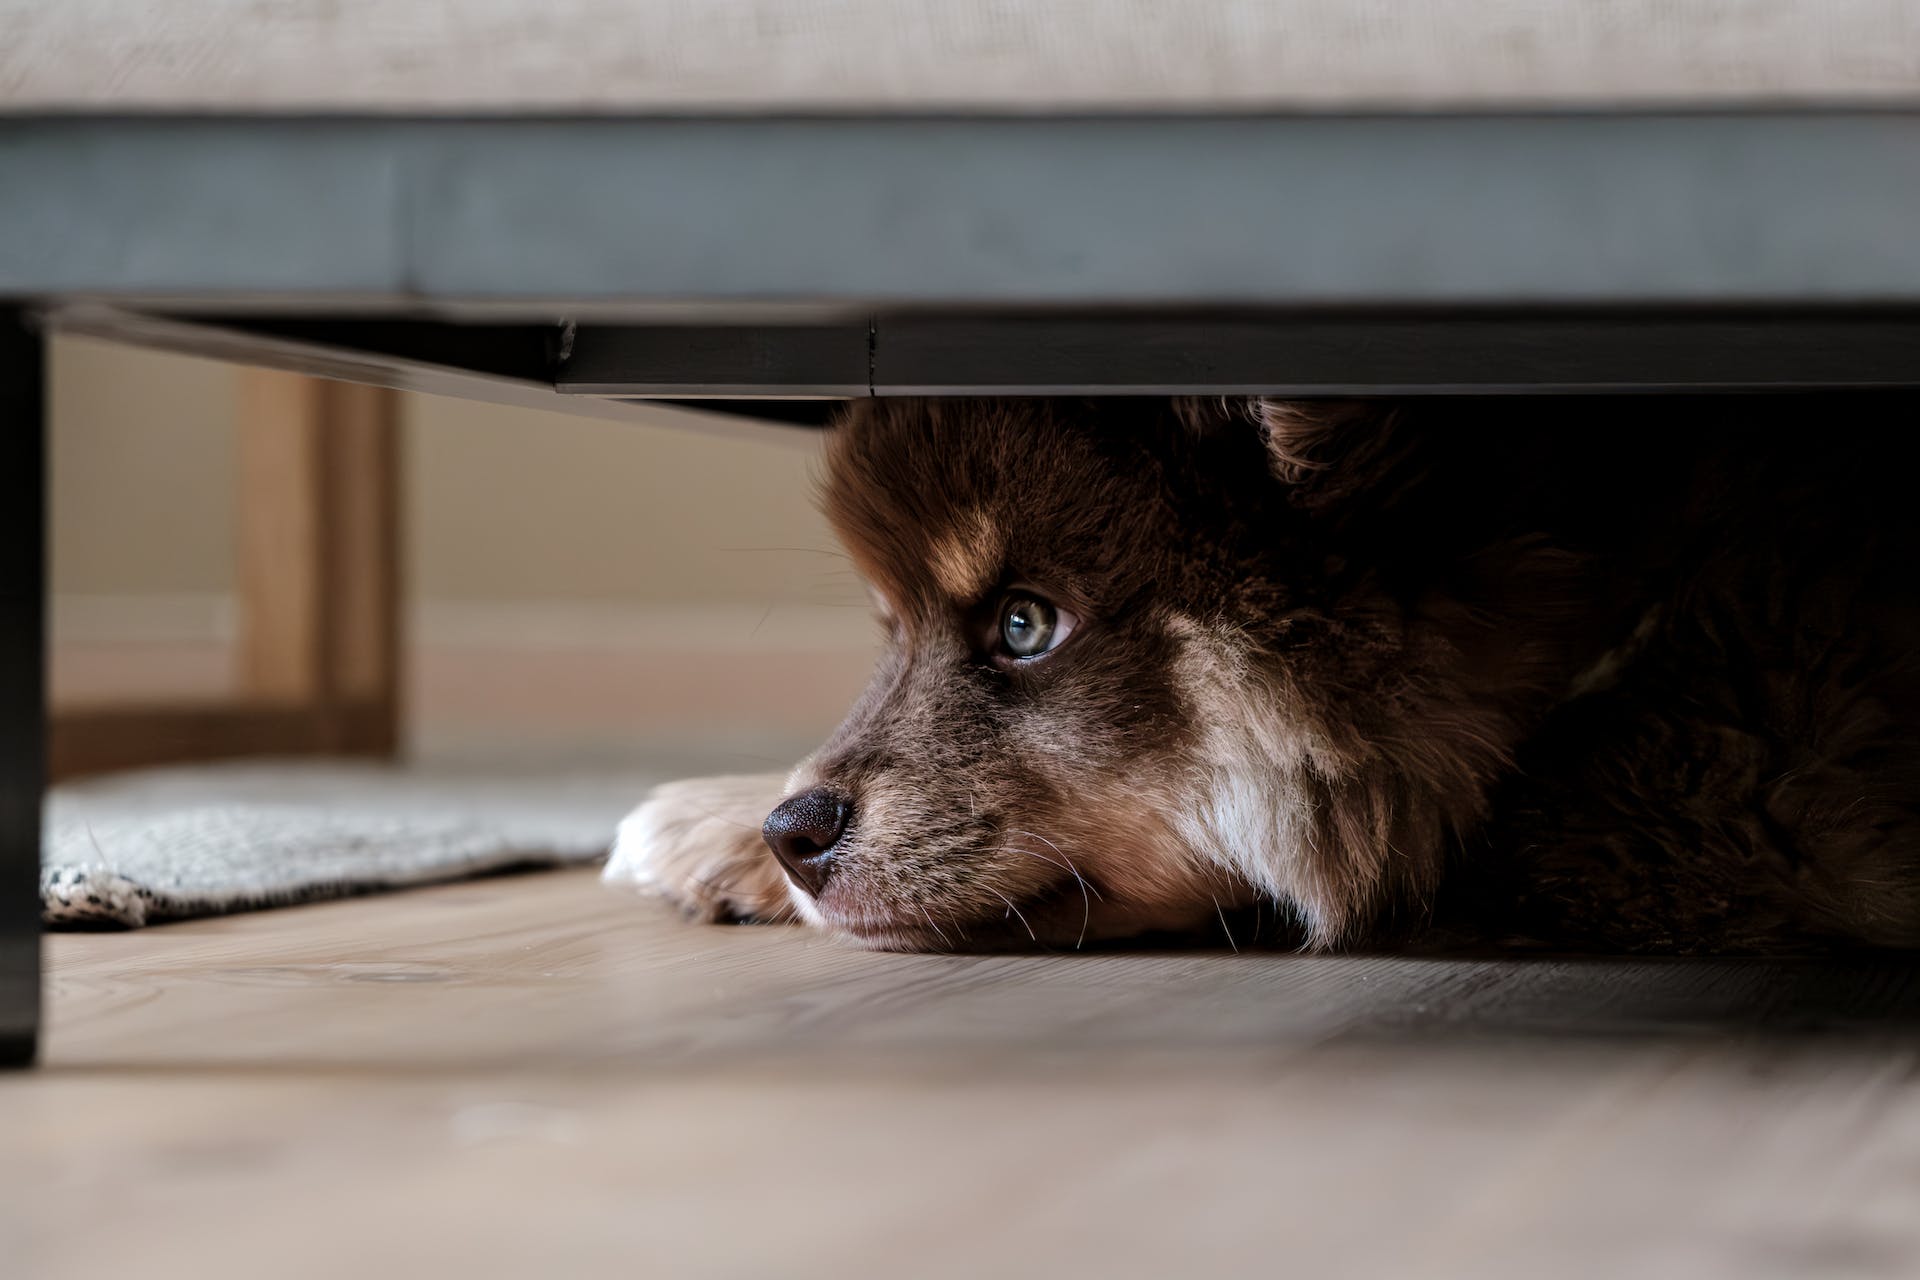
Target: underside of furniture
{"x":771,"y":266}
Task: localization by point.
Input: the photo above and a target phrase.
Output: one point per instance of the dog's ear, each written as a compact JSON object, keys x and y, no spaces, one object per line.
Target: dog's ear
{"x":1308,"y":436}
{"x":1309,"y":443}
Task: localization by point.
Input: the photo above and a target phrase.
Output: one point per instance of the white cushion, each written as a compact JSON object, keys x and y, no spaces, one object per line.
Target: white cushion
{"x":894,"y":55}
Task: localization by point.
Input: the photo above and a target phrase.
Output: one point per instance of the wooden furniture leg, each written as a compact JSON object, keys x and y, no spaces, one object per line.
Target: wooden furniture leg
{"x":319,"y":593}
{"x":318,"y":531}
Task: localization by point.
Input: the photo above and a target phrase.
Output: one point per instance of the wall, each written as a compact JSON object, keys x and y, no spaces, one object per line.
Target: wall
{"x":565,"y":574}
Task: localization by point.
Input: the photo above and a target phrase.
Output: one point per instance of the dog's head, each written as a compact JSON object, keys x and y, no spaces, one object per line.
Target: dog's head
{"x":1145,"y":666}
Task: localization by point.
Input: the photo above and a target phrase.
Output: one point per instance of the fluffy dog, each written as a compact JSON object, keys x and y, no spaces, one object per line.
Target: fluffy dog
{"x":1622,"y":674}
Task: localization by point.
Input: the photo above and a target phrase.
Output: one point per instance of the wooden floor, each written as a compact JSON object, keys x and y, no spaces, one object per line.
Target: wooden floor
{"x":533,"y":1076}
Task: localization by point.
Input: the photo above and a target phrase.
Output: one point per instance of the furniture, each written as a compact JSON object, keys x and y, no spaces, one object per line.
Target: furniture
{"x":317,"y":515}
{"x":757,"y":202}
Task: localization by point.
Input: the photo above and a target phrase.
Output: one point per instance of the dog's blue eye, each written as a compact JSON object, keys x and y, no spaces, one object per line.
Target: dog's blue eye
{"x":1030,"y":626}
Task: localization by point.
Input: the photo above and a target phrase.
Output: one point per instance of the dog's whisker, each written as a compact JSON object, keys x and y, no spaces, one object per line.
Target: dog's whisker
{"x":711,"y":816}
{"x":1086,"y":902}
{"x":724,"y":885}
{"x":1083,"y":883}
{"x":1221,"y":912}
{"x":1063,"y":853}
{"x":809,"y":551}
{"x":944,"y":941}
{"x":1016,"y":913}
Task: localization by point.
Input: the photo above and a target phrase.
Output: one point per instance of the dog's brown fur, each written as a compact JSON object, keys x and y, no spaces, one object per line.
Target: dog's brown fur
{"x":1617,"y":673}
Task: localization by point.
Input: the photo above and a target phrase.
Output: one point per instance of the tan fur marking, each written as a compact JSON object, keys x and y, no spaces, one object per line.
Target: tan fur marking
{"x":964,"y":561}
{"x":1251,"y":811}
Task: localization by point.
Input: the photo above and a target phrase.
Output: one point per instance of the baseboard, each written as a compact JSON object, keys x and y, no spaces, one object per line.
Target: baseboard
{"x":547,"y":669}
{"x":90,"y":620}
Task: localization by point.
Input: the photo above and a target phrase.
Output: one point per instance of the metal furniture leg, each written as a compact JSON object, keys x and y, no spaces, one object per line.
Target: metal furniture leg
{"x":22,"y":694}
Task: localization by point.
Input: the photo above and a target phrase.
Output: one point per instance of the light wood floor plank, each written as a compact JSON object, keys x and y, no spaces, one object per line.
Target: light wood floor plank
{"x":535,"y":1076}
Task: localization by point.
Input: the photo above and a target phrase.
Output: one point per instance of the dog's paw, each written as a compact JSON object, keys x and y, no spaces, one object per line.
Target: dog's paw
{"x":697,"y":844}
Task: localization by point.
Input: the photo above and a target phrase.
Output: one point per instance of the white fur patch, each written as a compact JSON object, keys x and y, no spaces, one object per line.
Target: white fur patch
{"x":637,"y":841}
{"x":697,"y":843}
{"x":1252,"y":813}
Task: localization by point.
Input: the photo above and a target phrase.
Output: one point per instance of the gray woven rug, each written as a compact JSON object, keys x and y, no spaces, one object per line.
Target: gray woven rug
{"x":169,"y":844}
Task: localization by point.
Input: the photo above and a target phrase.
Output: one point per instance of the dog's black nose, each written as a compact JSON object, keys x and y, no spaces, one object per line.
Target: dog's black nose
{"x":802,"y":833}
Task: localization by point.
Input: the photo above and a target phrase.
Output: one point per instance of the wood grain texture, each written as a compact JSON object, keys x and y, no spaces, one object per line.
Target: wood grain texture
{"x":318,"y":517}
{"x":694,"y":55}
{"x":538,"y":1076}
{"x":281,"y":493}
{"x":362,"y":469}
{"x":84,"y":740}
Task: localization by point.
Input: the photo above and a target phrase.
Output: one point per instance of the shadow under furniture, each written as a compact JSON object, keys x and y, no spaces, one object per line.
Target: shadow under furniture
{"x":770,"y":266}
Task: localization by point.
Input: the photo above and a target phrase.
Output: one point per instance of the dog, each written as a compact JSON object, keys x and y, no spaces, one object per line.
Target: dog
{"x":1585,"y":674}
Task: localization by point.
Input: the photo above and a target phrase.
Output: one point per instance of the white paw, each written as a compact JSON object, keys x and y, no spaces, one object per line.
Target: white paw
{"x":697,"y":844}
